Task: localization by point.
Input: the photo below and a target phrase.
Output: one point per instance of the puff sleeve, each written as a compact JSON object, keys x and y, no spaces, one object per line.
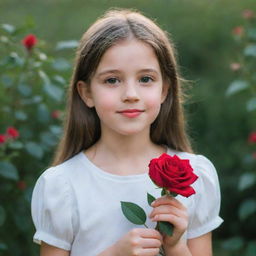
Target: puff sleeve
{"x":53,"y":209}
{"x":206,"y":204}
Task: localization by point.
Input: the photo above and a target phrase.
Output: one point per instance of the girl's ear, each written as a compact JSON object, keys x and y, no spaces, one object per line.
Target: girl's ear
{"x":85,"y":93}
{"x":165,"y":90}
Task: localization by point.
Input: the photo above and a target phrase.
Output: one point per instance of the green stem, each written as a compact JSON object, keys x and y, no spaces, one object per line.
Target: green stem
{"x":145,"y":225}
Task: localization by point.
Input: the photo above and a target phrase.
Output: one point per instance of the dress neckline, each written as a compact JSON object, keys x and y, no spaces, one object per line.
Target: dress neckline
{"x":97,"y":170}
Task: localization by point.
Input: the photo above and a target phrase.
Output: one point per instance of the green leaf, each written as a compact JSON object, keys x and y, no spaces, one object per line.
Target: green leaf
{"x":20,"y":115}
{"x":53,"y":91}
{"x":43,"y":114}
{"x":165,"y":228}
{"x":252,"y":35}
{"x":3,"y":246}
{"x":71,"y":44}
{"x":44,"y":77}
{"x":233,"y":243}
{"x":56,"y":129}
{"x":8,"y":171}
{"x":2,"y":216}
{"x":15,"y":145}
{"x":236,"y":87}
{"x":61,"y":64}
{"x":247,"y":208}
{"x":60,"y":80}
{"x":7,"y":81}
{"x":48,"y":139}
{"x":24,"y":90}
{"x":134,"y":213}
{"x":246,"y":181}
{"x":250,"y":249}
{"x":251,"y":104}
{"x":8,"y":28}
{"x":150,"y":198}
{"x":250,"y":50}
{"x":15,"y":60}
{"x":34,"y":149}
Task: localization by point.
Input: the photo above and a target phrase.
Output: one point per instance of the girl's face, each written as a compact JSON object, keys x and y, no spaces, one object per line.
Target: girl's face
{"x":127,"y":88}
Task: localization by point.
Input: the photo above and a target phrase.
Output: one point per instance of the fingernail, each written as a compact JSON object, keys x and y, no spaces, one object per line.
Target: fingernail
{"x":154,"y":218}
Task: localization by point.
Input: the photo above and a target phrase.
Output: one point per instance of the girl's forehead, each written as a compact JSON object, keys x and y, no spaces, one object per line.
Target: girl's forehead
{"x":129,"y":54}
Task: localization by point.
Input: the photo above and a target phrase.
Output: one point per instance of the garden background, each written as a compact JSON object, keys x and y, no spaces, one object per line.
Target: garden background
{"x":216,"y":42}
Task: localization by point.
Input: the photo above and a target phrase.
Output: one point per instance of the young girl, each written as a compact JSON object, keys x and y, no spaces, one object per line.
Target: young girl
{"x":124,"y":108}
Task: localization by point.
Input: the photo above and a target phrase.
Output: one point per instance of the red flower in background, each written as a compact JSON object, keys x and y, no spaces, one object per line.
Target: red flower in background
{"x":56,"y":114}
{"x":12,"y":132}
{"x":173,"y":174}
{"x":21,"y":185}
{"x":252,"y":137}
{"x":238,"y":31}
{"x":2,"y":138}
{"x":248,"y":14}
{"x":29,"y":41}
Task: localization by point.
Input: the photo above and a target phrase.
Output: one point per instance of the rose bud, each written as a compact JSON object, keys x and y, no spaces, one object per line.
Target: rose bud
{"x":29,"y":41}
{"x":12,"y":132}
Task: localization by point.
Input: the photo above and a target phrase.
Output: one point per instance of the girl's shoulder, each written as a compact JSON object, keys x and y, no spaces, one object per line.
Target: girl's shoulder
{"x":201,"y":164}
{"x":67,"y":170}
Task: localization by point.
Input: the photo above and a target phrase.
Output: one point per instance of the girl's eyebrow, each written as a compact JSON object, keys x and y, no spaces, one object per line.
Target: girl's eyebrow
{"x":108,"y":71}
{"x":149,"y":70}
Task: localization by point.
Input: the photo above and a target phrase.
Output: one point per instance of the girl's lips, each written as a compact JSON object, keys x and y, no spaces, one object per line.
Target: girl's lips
{"x":131,"y":113}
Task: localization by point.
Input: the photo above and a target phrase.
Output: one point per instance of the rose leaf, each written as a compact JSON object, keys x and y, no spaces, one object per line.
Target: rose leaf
{"x":150,"y":198}
{"x":133,"y":213}
{"x":165,"y":227}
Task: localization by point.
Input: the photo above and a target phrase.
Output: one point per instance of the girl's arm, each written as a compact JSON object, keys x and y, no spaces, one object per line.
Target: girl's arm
{"x":48,"y":250}
{"x":202,"y":245}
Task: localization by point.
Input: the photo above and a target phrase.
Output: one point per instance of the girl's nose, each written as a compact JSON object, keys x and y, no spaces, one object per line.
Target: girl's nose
{"x":130,"y":92}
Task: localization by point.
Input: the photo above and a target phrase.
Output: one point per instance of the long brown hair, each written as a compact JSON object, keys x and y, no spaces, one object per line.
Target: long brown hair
{"x":82,"y":125}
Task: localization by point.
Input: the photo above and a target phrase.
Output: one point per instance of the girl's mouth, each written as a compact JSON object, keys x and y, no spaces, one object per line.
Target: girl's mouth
{"x":131,"y":113}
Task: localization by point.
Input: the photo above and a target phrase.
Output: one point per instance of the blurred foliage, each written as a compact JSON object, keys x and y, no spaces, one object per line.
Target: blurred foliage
{"x":32,"y":91}
{"x":215,"y":42}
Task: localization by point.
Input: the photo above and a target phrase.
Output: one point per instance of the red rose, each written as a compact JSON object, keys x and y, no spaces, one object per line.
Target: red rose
{"x":248,"y":14}
{"x":12,"y":132}
{"x":172,"y":173}
{"x":252,"y":137}
{"x":29,"y":41}
{"x":21,"y":185}
{"x":238,"y":31}
{"x":56,"y":114}
{"x":2,"y":138}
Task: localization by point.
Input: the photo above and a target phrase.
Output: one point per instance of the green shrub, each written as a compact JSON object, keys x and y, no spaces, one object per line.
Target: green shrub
{"x":31,"y":98}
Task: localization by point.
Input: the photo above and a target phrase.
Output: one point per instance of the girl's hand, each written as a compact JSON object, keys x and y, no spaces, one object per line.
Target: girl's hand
{"x":139,"y":242}
{"x":169,"y":209}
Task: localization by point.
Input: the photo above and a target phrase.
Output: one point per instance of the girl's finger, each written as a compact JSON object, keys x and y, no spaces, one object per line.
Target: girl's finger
{"x":147,"y":233}
{"x":179,"y":223}
{"x":148,"y":252}
{"x":168,"y":209}
{"x":168,"y":200}
{"x":151,"y":243}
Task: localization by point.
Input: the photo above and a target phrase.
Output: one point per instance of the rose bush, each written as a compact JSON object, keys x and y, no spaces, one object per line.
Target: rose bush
{"x":32,"y":87}
{"x":173,"y":174}
{"x":243,"y":87}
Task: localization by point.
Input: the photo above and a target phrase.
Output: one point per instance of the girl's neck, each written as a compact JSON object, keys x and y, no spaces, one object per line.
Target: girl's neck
{"x":123,"y":154}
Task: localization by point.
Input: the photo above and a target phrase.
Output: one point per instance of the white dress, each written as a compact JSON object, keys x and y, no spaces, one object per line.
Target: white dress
{"x":76,"y":205}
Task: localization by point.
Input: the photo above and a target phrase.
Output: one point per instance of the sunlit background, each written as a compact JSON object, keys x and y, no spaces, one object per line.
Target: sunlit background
{"x":216,"y":46}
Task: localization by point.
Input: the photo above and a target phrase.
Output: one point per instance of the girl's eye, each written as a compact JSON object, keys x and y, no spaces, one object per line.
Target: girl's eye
{"x":111,"y":80}
{"x":146,"y":79}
